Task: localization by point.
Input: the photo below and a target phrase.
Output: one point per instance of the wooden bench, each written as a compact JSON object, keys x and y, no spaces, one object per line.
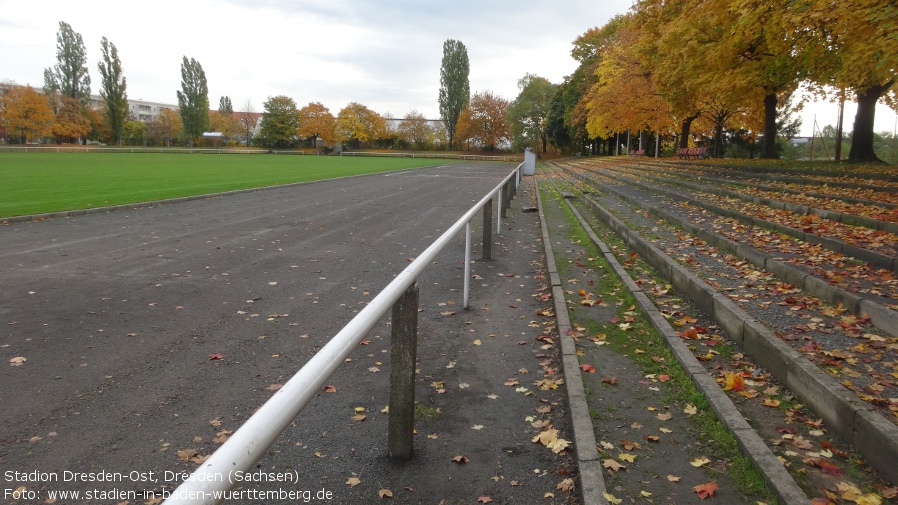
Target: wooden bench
{"x":640,"y":152}
{"x":692,"y":153}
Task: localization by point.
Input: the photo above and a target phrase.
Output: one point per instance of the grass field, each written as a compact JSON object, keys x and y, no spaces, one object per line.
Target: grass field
{"x":34,"y":183}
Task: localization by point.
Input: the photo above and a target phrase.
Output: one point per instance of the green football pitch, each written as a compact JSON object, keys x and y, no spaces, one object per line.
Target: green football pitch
{"x":35,"y":183}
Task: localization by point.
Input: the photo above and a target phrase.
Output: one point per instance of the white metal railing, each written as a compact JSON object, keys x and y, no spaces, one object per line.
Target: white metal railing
{"x":248,"y":444}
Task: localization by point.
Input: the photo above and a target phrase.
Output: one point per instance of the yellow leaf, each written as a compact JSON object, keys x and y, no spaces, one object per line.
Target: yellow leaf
{"x":477,"y":342}
{"x":673,"y":478}
{"x":629,"y":458}
{"x":385,"y":493}
{"x":645,"y":494}
{"x":698,"y":462}
{"x":690,"y":409}
{"x":611,"y":498}
{"x":353,"y":482}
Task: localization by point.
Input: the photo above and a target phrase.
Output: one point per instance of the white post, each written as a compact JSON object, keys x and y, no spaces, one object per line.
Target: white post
{"x":499,"y":213}
{"x":467,"y":262}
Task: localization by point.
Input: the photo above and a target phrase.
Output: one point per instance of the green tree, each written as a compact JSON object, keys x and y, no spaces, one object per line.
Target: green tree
{"x":529,"y":112}
{"x":279,"y":122}
{"x":193,"y":99}
{"x":113,"y":89}
{"x":134,"y":132}
{"x":556,"y":131}
{"x":69,"y":76}
{"x":225,"y":107}
{"x":455,"y":89}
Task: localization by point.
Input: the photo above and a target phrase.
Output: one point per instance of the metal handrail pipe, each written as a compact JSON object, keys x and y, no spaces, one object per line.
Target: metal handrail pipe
{"x":214,"y":477}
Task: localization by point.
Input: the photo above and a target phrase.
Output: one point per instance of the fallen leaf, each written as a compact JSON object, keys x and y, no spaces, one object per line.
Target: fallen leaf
{"x":733,"y":382}
{"x":567,"y":485}
{"x":611,"y":498}
{"x":673,"y":478}
{"x":330,"y":389}
{"x":274,"y":387}
{"x":705,"y":490}
{"x":484,"y":499}
{"x":690,"y":409}
{"x":588,"y":368}
{"x":213,"y":357}
{"x":612,"y":465}
{"x":698,"y":462}
{"x":17,"y":361}
{"x":461,"y":459}
{"x":353,"y":481}
{"x":629,"y":458}
{"x":664,"y":416}
{"x":385,"y":493}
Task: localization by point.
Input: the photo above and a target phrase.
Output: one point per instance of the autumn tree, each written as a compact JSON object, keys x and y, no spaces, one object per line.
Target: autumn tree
{"x":279,"y":122}
{"x":113,"y":89}
{"x":853,"y":47}
{"x":624,"y":96}
{"x":415,"y":130}
{"x":134,"y":132}
{"x":69,"y":76}
{"x":483,"y":122}
{"x":224,"y":123}
{"x":529,"y":112}
{"x":358,"y":123}
{"x":455,"y":89}
{"x":165,"y":127}
{"x":70,"y":123}
{"x":316,"y":122}
{"x":25,"y":113}
{"x":193,"y":99}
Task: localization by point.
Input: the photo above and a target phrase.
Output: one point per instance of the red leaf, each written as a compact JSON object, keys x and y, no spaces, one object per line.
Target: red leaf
{"x":614,"y":320}
{"x":213,"y":357}
{"x":705,"y":490}
{"x":829,"y":467}
{"x":588,"y":368}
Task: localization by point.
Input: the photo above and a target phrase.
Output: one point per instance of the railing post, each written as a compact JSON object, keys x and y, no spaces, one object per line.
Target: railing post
{"x":487,"y":247}
{"x":403,"y":343}
{"x":506,"y":199}
{"x":499,"y":212}
{"x":467,"y":282}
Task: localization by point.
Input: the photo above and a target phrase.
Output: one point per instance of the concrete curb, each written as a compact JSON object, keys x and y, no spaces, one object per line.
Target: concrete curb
{"x":848,"y":416}
{"x":750,"y":443}
{"x":592,"y":483}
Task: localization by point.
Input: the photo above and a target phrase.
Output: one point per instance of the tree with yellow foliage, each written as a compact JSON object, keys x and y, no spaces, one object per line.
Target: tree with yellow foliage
{"x":358,"y":123}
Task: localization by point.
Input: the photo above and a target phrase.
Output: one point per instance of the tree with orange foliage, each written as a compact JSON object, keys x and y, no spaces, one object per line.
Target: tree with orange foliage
{"x":483,"y":122}
{"x":70,"y":124}
{"x":316,"y":122}
{"x":25,"y":113}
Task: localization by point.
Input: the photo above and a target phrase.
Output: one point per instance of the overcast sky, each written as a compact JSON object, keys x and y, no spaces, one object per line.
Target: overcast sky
{"x":384,"y":54}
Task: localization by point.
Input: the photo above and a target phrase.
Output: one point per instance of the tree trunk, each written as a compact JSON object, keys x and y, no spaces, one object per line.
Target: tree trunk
{"x":768,"y":150}
{"x":862,"y":138}
{"x":684,"y":130}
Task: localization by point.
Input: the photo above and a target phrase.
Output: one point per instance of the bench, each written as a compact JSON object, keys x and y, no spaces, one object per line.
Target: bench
{"x":640,"y":152}
{"x":692,"y":153}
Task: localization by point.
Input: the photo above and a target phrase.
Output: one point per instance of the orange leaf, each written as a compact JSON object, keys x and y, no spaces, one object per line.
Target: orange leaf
{"x":733,"y":382}
{"x":705,"y":490}
{"x":588,"y":368}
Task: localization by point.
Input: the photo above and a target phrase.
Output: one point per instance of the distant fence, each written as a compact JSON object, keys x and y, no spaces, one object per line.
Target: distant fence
{"x":169,"y":150}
